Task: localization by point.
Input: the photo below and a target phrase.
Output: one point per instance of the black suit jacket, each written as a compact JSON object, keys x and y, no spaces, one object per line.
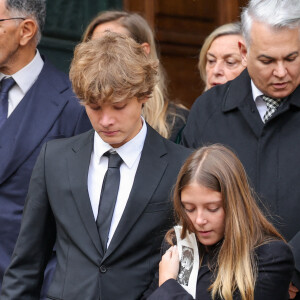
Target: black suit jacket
{"x":227,"y":114}
{"x":275,"y":267}
{"x":58,"y":208}
{"x":49,"y":110}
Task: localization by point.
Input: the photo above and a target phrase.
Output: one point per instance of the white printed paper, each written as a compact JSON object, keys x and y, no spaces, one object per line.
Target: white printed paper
{"x":189,"y":261}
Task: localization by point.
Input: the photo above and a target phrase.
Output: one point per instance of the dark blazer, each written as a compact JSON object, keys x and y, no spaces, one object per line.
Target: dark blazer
{"x":48,"y":111}
{"x":275,"y":267}
{"x":227,"y":114}
{"x":58,"y":207}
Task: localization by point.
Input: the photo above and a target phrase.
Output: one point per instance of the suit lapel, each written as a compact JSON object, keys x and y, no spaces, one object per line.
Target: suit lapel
{"x":29,"y":123}
{"x":239,"y":96}
{"x":78,"y":167}
{"x":151,"y":168}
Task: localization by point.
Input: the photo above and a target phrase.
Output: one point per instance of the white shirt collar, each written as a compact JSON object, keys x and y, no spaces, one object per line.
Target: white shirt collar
{"x":129,"y":152}
{"x":21,"y":77}
{"x":255,"y":91}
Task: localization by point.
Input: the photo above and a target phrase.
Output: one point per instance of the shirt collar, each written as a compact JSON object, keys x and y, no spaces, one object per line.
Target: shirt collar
{"x":255,"y":91}
{"x":33,"y":68}
{"x":129,"y":152}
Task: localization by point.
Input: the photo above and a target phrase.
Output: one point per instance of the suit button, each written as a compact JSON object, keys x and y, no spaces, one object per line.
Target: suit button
{"x":103,"y":269}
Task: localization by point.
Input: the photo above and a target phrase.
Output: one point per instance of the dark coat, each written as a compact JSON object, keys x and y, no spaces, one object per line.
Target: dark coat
{"x":275,"y":268}
{"x":58,"y":207}
{"x":176,"y":119}
{"x":227,"y":114}
{"x":49,"y":110}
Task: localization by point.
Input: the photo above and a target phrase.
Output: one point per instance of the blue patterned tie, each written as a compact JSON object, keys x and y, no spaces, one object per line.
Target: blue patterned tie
{"x":109,"y":194}
{"x":6,"y":85}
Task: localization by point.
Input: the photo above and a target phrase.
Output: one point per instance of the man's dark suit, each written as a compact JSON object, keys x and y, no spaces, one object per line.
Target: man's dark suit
{"x":58,"y":207}
{"x":227,"y":114}
{"x":49,"y":110}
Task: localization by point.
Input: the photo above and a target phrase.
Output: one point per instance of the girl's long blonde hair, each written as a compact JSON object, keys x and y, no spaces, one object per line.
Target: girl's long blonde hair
{"x":246,"y":228}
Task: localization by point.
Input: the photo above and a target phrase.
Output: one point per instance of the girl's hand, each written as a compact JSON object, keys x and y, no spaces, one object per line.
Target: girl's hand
{"x":293,"y":291}
{"x":169,"y":265}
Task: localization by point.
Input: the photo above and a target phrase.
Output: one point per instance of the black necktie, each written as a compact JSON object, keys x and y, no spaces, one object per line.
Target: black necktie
{"x":109,"y":193}
{"x":6,"y":85}
{"x":272,"y":105}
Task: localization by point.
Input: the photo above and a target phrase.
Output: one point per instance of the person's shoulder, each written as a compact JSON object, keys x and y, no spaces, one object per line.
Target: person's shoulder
{"x":275,"y":265}
{"x":177,"y":109}
{"x":274,"y":250}
{"x":209,"y":104}
{"x":51,"y":72}
{"x":273,"y":244}
{"x":177,"y":149}
{"x":215,"y":97}
{"x":75,"y":141}
{"x":177,"y":115}
{"x":56,"y":84}
{"x":175,"y":152}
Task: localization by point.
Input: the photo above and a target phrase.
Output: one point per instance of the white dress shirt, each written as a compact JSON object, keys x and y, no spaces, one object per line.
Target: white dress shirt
{"x":24,"y":79}
{"x":259,"y":102}
{"x":131,"y":154}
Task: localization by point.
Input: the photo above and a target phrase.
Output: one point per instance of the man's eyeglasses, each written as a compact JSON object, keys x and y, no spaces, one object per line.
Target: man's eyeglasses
{"x":17,"y":18}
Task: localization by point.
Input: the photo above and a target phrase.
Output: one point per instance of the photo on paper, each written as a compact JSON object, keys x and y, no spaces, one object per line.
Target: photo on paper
{"x":186,"y":265}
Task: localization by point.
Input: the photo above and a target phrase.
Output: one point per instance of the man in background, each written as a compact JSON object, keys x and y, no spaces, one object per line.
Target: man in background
{"x":258,"y":113}
{"x":36,"y":105}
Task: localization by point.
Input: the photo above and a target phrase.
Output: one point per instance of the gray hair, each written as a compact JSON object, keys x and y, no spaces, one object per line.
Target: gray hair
{"x":275,"y":13}
{"x":35,"y":9}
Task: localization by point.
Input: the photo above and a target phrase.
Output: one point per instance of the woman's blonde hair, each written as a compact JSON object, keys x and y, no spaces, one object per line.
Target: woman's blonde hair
{"x":217,"y":168}
{"x":155,"y":110}
{"x":111,"y":69}
{"x":226,"y":29}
